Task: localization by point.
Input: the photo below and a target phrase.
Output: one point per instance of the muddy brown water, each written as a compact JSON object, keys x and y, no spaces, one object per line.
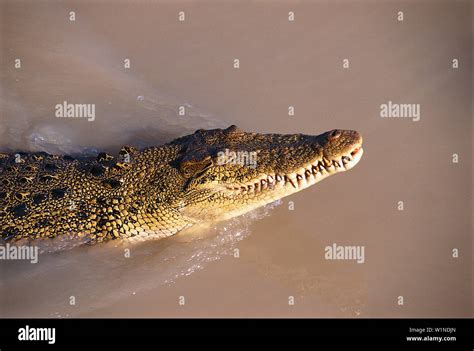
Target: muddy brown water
{"x":281,"y":248}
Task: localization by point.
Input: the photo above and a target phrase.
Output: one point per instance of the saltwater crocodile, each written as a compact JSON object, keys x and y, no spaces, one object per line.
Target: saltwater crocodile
{"x":161,"y":190}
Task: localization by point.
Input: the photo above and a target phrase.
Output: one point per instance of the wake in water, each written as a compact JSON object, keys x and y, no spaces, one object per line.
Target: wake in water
{"x":203,"y":251}
{"x":104,"y":274}
{"x":129,"y":109}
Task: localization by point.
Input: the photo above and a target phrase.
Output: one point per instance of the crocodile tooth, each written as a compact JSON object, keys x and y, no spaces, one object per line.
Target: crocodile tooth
{"x":270,"y":179}
{"x":299,"y":177}
{"x":288,"y":179}
{"x":307,"y":173}
{"x":327,"y":163}
{"x":278,"y":178}
{"x":346,"y":159}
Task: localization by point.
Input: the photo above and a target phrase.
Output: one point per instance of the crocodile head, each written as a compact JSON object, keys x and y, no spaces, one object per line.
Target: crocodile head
{"x":229,"y":172}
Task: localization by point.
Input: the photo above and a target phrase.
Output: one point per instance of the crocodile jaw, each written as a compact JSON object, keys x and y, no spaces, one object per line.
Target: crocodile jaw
{"x":241,"y":198}
{"x":272,"y":189}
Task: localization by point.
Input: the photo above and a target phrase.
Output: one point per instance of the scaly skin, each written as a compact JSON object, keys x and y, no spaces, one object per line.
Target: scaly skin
{"x":161,"y":190}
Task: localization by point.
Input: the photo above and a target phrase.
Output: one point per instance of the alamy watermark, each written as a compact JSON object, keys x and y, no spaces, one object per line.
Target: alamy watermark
{"x":394,"y":110}
{"x":243,"y":158}
{"x":37,"y":334}
{"x":339,"y":252}
{"x":12,"y":252}
{"x":67,"y":110}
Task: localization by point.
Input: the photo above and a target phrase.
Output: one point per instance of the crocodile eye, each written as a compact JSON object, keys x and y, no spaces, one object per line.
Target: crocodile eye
{"x":334,"y":134}
{"x":189,"y":168}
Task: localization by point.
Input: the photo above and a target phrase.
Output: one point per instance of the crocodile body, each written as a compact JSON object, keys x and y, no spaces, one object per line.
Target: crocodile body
{"x":161,"y":190}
